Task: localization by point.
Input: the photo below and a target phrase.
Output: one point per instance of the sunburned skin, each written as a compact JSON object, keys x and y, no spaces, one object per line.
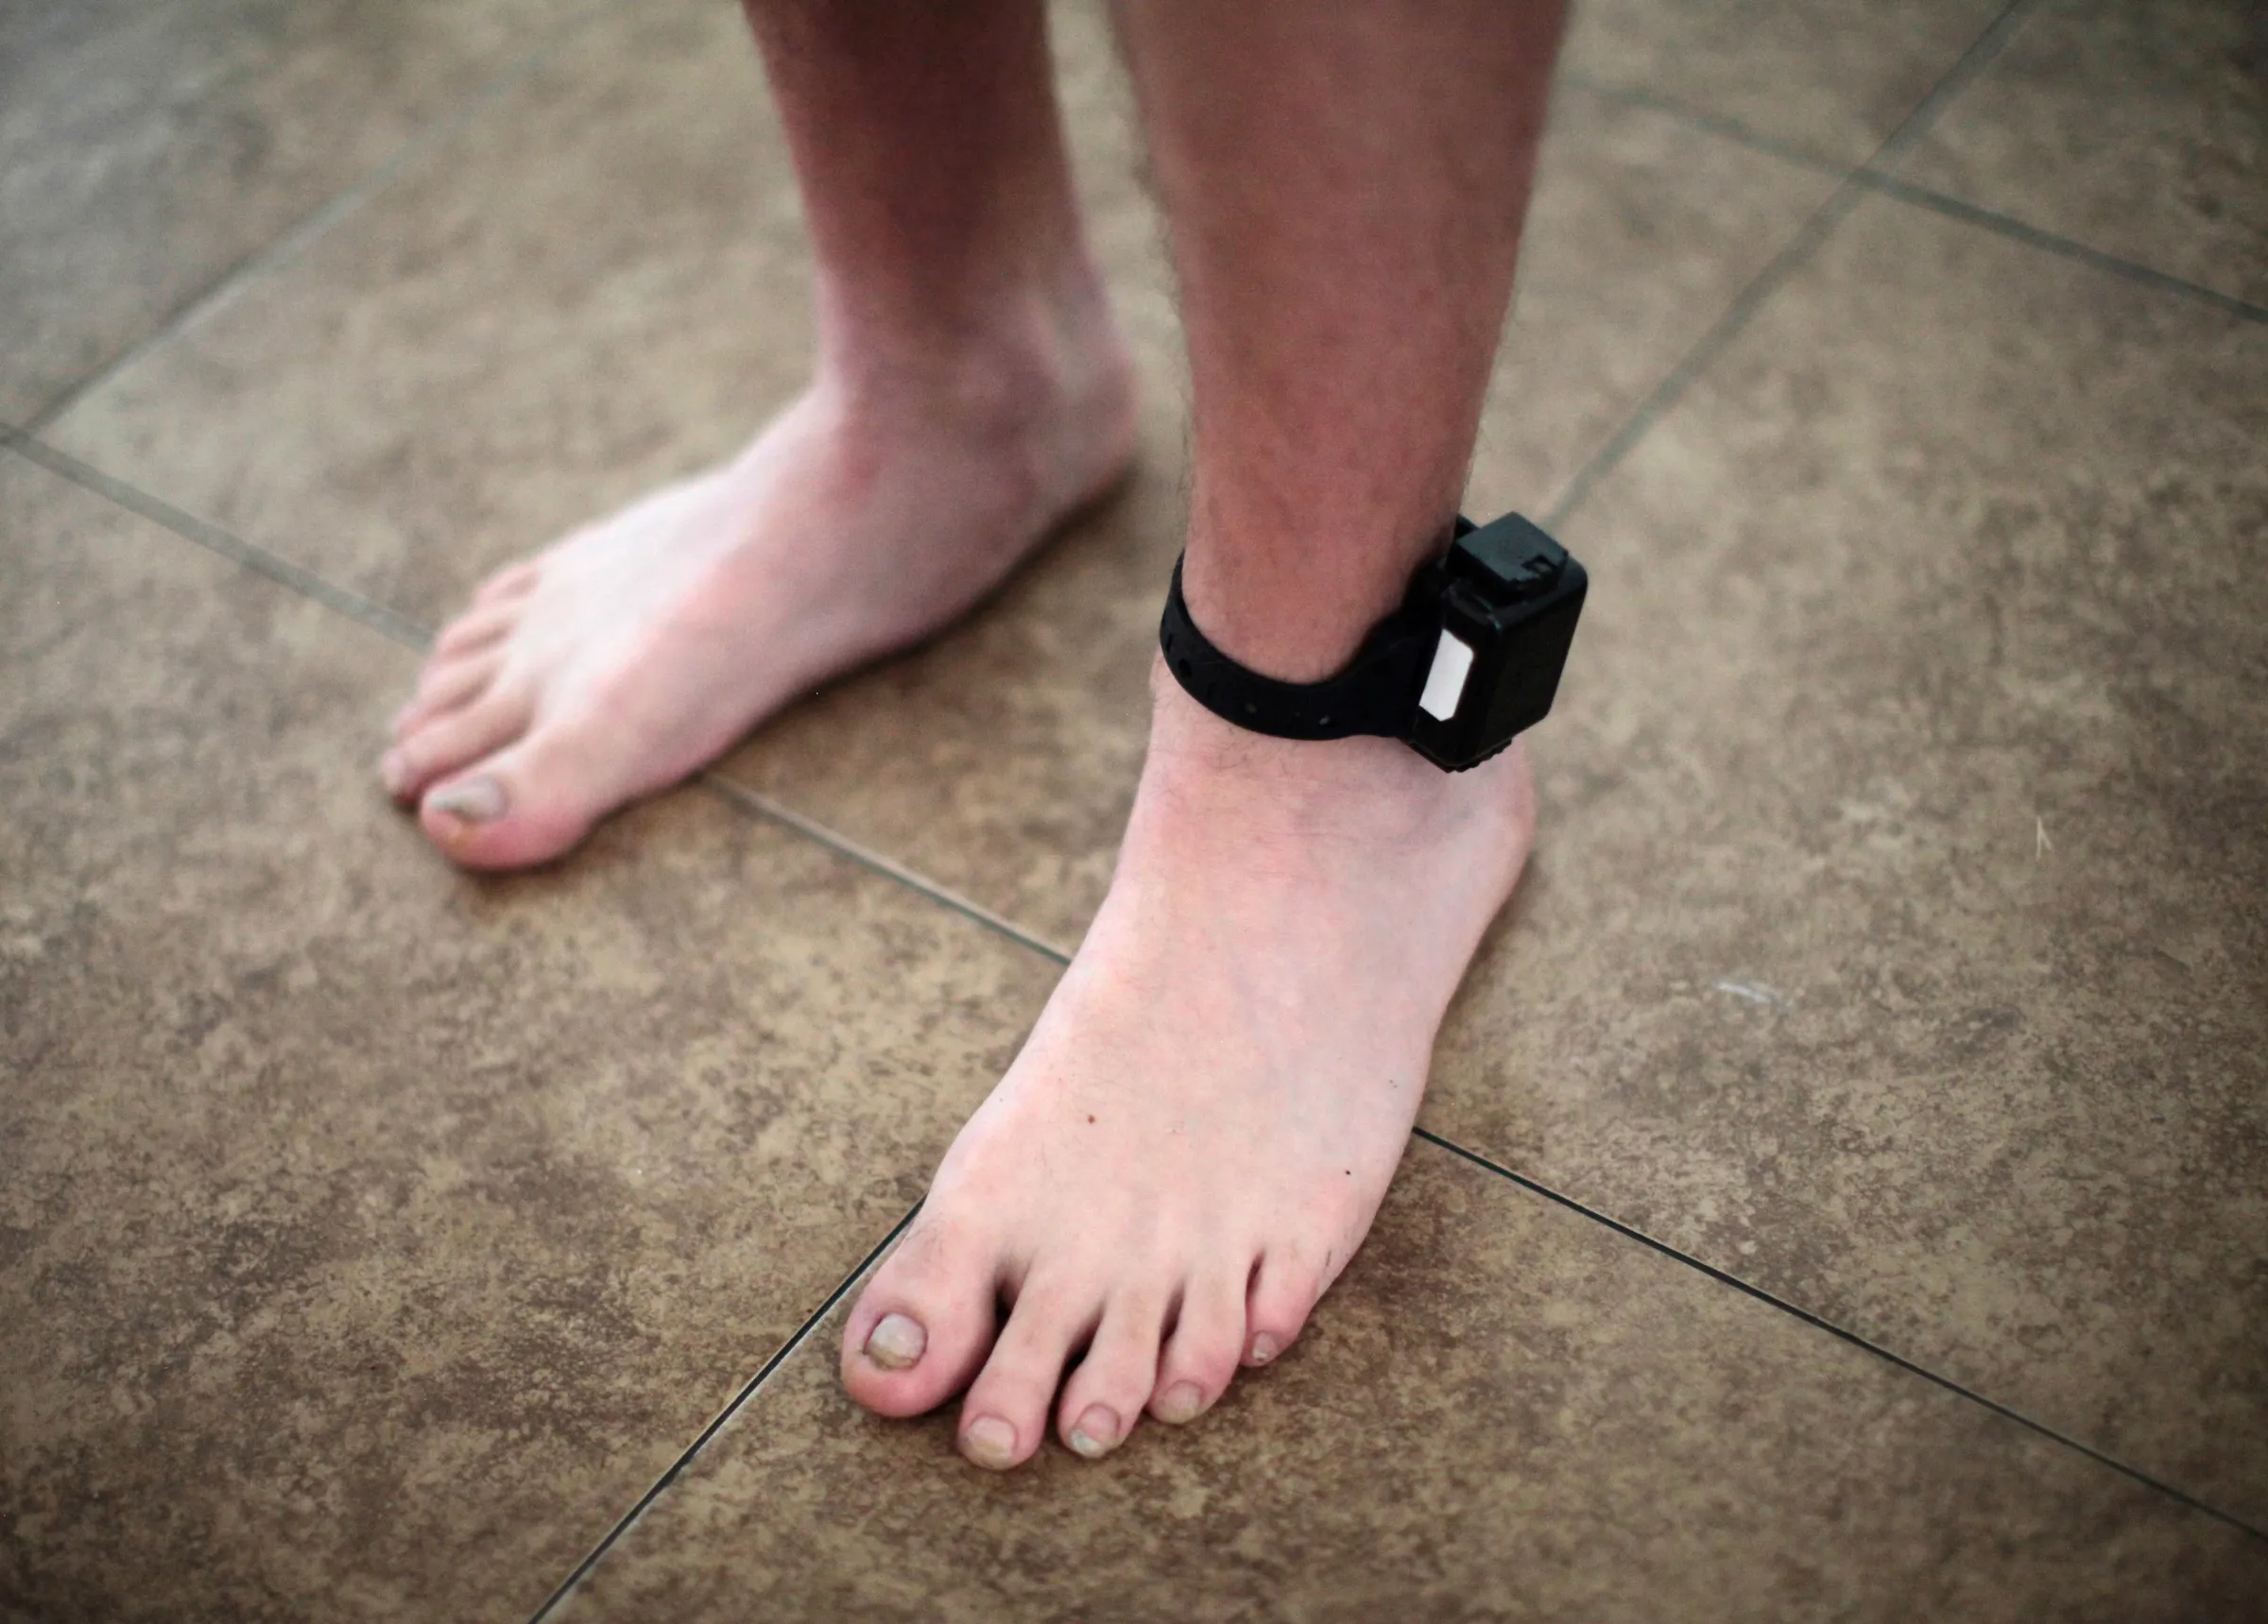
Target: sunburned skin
{"x":1194,"y":1140}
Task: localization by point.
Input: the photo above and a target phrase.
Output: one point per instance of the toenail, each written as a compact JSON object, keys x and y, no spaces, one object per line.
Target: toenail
{"x":1264,"y":1347}
{"x":475,"y":800}
{"x":1181,"y":1403}
{"x":1096,"y":1434}
{"x":897,"y":1342}
{"x":991,"y":1443}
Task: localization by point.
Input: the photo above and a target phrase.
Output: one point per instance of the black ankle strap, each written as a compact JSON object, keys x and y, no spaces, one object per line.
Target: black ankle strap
{"x":1471,"y":658}
{"x":1376,"y":692}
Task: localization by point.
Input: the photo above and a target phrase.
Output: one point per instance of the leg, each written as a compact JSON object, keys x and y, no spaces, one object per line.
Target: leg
{"x":1195,"y":1140}
{"x":970,"y":390}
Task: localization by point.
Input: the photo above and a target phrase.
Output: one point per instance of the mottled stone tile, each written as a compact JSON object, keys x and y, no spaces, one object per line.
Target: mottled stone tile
{"x":1829,"y":77}
{"x":600,"y":285}
{"x":146,"y":148}
{"x":1641,"y":236}
{"x":1502,"y":1412}
{"x":2139,"y":131}
{"x":371,"y":1235}
{"x":1895,"y":938}
{"x":597,"y":285}
{"x":498,"y":349}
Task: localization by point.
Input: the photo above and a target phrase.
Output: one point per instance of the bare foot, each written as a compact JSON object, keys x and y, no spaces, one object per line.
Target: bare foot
{"x":1195,"y":1140}
{"x":637,"y":650}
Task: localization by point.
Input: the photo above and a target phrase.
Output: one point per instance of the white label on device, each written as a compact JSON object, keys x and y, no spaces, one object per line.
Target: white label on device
{"x":1445,"y":683}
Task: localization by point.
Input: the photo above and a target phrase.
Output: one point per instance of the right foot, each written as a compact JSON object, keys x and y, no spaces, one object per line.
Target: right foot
{"x":1207,"y":1115}
{"x":637,"y":650}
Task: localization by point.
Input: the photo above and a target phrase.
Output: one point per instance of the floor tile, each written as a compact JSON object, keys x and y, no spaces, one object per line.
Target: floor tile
{"x":1895,"y":939}
{"x":500,"y":344}
{"x":2139,"y":131}
{"x":1885,"y":941}
{"x":497,"y":349}
{"x":372,"y":1235}
{"x":1829,"y":77}
{"x":145,"y":148}
{"x":1502,"y":1412}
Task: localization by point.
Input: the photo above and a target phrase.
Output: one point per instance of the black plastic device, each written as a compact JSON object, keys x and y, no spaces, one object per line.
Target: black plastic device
{"x":1471,"y":659}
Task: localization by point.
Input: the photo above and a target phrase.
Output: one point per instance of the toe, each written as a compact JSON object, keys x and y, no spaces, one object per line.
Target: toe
{"x":446,"y":742}
{"x":924,"y":1321}
{"x":527,"y":804}
{"x":1104,"y":1396}
{"x":506,"y":585}
{"x":1284,"y":1292}
{"x":447,"y":684}
{"x":477,"y":628}
{"x":1200,"y":1356}
{"x":1005,"y":1414}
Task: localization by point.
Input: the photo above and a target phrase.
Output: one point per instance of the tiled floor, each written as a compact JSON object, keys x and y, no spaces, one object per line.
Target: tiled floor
{"x":1843,"y":1192}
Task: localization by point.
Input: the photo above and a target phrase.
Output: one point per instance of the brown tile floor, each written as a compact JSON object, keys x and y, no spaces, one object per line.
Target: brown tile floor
{"x":371,"y":1231}
{"x":371,"y":1237}
{"x":147,"y":150}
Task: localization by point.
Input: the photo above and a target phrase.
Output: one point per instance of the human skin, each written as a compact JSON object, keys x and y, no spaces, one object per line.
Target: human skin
{"x":968,"y":391}
{"x":1197,"y":1135}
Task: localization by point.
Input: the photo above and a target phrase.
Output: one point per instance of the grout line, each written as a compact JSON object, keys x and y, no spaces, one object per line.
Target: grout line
{"x":764,"y":806}
{"x":1983,"y":52}
{"x":232,"y":279}
{"x":692,"y":1451}
{"x":1843,"y":1333}
{"x":1945,"y":203}
{"x":403,"y":630}
{"x":2065,"y":247}
{"x":1792,"y":255}
{"x":1715,"y":124}
{"x":372,"y":613}
{"x":399,"y":628}
{"x":1711,"y":344}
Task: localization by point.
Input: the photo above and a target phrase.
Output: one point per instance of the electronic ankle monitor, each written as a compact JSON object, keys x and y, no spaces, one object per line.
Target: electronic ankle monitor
{"x":1471,"y":658}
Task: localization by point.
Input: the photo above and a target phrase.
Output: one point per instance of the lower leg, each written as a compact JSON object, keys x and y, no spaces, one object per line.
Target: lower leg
{"x":969,"y":391}
{"x":1345,"y":244}
{"x":928,"y":146}
{"x":1233,"y":1061}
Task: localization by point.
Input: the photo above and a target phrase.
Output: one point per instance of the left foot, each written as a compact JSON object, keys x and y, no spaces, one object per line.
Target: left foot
{"x":875,"y":510}
{"x":1197,"y":1137}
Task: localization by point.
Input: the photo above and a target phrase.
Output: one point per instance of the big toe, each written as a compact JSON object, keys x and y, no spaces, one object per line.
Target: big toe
{"x":506,"y":810}
{"x":440,"y":746}
{"x":923,"y":1324}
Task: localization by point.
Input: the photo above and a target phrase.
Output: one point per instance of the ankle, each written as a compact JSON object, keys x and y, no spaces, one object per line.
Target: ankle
{"x":1006,"y":371}
{"x":1370,"y":793}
